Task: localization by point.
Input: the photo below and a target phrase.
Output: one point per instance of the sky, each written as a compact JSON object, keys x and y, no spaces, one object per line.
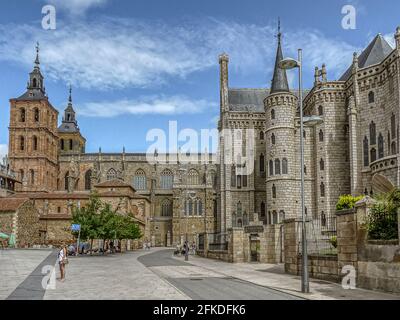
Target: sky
{"x":137,"y":65}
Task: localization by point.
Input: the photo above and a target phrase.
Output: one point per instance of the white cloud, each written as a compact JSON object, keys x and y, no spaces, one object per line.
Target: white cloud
{"x":120,"y":53}
{"x":76,"y":7}
{"x":3,"y":151}
{"x":151,"y":105}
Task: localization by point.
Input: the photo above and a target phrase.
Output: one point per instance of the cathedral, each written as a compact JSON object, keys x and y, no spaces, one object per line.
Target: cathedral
{"x":353,"y":150}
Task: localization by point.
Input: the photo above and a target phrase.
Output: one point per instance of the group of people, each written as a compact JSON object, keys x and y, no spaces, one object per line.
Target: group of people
{"x":186,"y":248}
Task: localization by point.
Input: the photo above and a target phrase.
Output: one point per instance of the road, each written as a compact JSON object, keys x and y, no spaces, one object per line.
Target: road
{"x":199,"y":283}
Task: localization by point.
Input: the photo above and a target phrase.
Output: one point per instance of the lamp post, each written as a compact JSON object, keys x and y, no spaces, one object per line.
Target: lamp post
{"x":288,"y":64}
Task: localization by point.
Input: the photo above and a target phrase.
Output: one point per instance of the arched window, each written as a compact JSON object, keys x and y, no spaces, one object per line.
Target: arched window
{"x":277,"y":166}
{"x":322,"y":189}
{"x":66,"y":178}
{"x":166,"y":208}
{"x":139,"y":180}
{"x":271,"y":168}
{"x":321,"y":136}
{"x":199,"y":207}
{"x":35,"y":143}
{"x":393,"y":148}
{"x":273,"y":139}
{"x":366,"y":151}
{"x":274,"y":217}
{"x":261,"y":135}
{"x":305,"y":169}
{"x":371,"y":97}
{"x":62,"y":146}
{"x":285,"y":169}
{"x":22,"y":114}
{"x":381,"y":146}
{"x":273,"y":191}
{"x":239,"y":223}
{"x":262,"y":209}
{"x":322,"y":165}
{"x":269,"y":218}
{"x":71,"y":144}
{"x":193,"y":177}
{"x":393,"y":125}
{"x":373,"y":155}
{"x":36,"y":114}
{"x":320,"y":110}
{"x":111,"y":174}
{"x":21,"y":143}
{"x":167,"y":179}
{"x":262,"y":163}
{"x":272,"y":114}
{"x":190,"y":207}
{"x":88,"y":180}
{"x":32,"y":176}
{"x":372,"y":133}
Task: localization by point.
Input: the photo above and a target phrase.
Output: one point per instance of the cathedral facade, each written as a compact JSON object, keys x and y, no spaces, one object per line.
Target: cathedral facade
{"x":353,"y":150}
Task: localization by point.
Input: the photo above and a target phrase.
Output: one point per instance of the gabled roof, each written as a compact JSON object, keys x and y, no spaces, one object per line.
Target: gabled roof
{"x":375,"y":53}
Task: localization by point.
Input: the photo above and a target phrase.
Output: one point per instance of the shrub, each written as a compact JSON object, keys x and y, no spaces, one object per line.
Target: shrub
{"x":347,"y":202}
{"x":333,"y":241}
{"x":382,"y":222}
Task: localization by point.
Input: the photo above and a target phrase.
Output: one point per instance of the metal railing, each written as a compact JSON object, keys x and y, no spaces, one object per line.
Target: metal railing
{"x":321,"y":235}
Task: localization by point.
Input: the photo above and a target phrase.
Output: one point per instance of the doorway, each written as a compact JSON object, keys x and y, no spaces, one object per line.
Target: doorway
{"x":254,"y":248}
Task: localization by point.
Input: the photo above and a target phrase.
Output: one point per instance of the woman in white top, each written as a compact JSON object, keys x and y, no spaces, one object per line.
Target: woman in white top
{"x":62,"y":255}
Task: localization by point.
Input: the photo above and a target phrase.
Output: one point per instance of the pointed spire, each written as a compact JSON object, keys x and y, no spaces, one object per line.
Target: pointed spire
{"x":37,"y":60}
{"x":70,"y":94}
{"x":279,"y":81}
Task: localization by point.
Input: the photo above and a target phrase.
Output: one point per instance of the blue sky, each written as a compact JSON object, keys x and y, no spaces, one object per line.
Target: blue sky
{"x":135,"y":65}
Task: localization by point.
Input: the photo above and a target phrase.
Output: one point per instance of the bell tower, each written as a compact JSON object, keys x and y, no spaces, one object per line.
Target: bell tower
{"x":33,"y":138}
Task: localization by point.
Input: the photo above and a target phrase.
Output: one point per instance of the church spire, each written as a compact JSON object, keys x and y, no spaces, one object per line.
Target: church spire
{"x":279,"y":81}
{"x":37,"y":60}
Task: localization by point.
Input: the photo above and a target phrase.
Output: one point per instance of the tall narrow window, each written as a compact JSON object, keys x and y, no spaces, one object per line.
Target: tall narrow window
{"x":166,"y":208}
{"x":393,"y":125}
{"x":322,"y":189}
{"x":320,"y":110}
{"x":262,"y":210}
{"x":381,"y":146}
{"x":88,"y":180}
{"x":366,"y":152}
{"x":244,"y":181}
{"x":35,"y":143}
{"x":261,"y":135}
{"x":285,"y":169}
{"x":62,"y":144}
{"x":273,"y":191}
{"x":193,"y":177}
{"x":262,"y":163}
{"x":371,"y":97}
{"x":32,"y":177}
{"x":239,"y":181}
{"x":271,"y":168}
{"x":272,"y":114}
{"x":21,"y":143}
{"x":71,"y":144}
{"x":321,"y":136}
{"x":274,"y":217}
{"x":277,"y":166}
{"x":36,"y":114}
{"x":66,"y":182}
{"x":372,"y":133}
{"x":373,"y":155}
{"x":22,"y":115}
{"x":233,"y":177}
{"x":323,"y":219}
{"x":322,"y":165}
{"x":239,"y":209}
{"x":273,"y":139}
{"x":21,"y":174}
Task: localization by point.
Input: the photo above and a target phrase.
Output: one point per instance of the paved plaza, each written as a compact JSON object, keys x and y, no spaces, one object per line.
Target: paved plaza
{"x":157,"y":275}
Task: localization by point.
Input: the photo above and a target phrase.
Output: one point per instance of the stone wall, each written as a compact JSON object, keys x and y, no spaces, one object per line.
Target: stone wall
{"x":323,"y":267}
{"x":27,"y":225}
{"x":273,"y":250}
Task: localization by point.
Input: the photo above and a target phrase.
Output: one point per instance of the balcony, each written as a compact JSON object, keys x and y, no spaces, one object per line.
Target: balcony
{"x":384,"y":164}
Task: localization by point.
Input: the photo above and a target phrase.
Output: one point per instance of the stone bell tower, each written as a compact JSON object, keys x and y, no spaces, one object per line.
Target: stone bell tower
{"x":33,"y":138}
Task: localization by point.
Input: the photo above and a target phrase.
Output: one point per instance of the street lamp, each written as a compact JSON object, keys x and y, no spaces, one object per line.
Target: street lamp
{"x":287,"y":64}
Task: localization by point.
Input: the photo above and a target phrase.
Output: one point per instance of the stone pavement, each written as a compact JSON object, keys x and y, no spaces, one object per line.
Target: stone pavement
{"x":16,"y":266}
{"x":274,"y":277}
{"x":112,"y":277}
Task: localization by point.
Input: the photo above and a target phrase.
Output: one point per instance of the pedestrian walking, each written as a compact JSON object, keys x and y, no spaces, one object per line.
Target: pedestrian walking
{"x":62,"y":261}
